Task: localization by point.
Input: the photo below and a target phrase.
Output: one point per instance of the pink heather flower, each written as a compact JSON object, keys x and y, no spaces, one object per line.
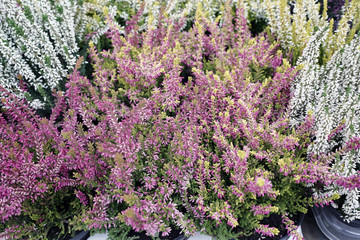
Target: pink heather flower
{"x":261,"y":210}
{"x":166,"y":232}
{"x":260,"y":186}
{"x":82,"y":197}
{"x":266,"y":230}
{"x":291,"y":227}
{"x":167,"y":148}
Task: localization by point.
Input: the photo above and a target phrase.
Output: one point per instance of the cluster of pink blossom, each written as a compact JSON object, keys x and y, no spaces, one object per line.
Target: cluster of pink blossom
{"x":184,"y":129}
{"x":41,"y":156}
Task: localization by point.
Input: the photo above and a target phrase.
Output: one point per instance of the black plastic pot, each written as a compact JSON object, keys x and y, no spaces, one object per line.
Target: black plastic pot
{"x":86,"y":235}
{"x":181,"y":237}
{"x":283,"y":238}
{"x":330,"y":223}
{"x":81,"y":236}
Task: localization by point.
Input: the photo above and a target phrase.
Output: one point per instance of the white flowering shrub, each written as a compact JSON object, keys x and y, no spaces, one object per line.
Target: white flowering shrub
{"x":258,"y":7}
{"x":126,"y":9}
{"x":328,"y":83}
{"x":173,"y":9}
{"x":332,"y":93}
{"x":294,"y":24}
{"x":38,"y":46}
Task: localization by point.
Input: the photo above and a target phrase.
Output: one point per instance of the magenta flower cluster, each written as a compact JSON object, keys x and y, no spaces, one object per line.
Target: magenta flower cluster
{"x":175,"y":129}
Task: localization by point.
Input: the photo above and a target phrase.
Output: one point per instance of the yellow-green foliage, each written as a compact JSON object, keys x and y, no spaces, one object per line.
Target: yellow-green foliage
{"x":295,"y":29}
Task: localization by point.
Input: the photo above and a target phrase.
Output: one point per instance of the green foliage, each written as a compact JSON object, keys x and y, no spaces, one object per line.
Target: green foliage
{"x":51,"y":216}
{"x":221,"y":230}
{"x":28,"y":13}
{"x":59,"y":9}
{"x":18,"y":28}
{"x":45,"y":17}
{"x":257,"y":25}
{"x":260,"y":73}
{"x":120,"y":232}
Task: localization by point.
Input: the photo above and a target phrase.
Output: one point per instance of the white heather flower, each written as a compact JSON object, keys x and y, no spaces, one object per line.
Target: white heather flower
{"x":332,"y":93}
{"x":38,"y":44}
{"x":173,"y":9}
{"x":294,"y":29}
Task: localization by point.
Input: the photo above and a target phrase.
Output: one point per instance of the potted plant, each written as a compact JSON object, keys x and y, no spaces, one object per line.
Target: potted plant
{"x":213,"y":152}
{"x":340,"y":113}
{"x":175,"y":130}
{"x":323,"y":86}
{"x":39,"y":47}
{"x":38,"y":190}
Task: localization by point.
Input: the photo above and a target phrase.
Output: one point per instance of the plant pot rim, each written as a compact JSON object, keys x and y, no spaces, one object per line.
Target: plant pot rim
{"x":331,"y":224}
{"x":298,"y":223}
{"x":81,"y":235}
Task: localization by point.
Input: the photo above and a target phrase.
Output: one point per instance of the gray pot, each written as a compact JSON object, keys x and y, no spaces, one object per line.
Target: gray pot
{"x":330,"y":222}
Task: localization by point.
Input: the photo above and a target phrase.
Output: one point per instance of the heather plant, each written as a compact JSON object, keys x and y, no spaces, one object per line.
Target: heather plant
{"x":295,"y":24}
{"x":174,"y":9}
{"x":48,"y":170}
{"x":326,"y":85}
{"x":125,"y":10}
{"x":184,"y":129}
{"x":194,"y":130}
{"x":154,"y":10}
{"x":335,"y":9}
{"x":331,"y":91}
{"x":38,"y":42}
{"x":323,"y":86}
{"x":258,"y":8}
{"x":94,"y":11}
